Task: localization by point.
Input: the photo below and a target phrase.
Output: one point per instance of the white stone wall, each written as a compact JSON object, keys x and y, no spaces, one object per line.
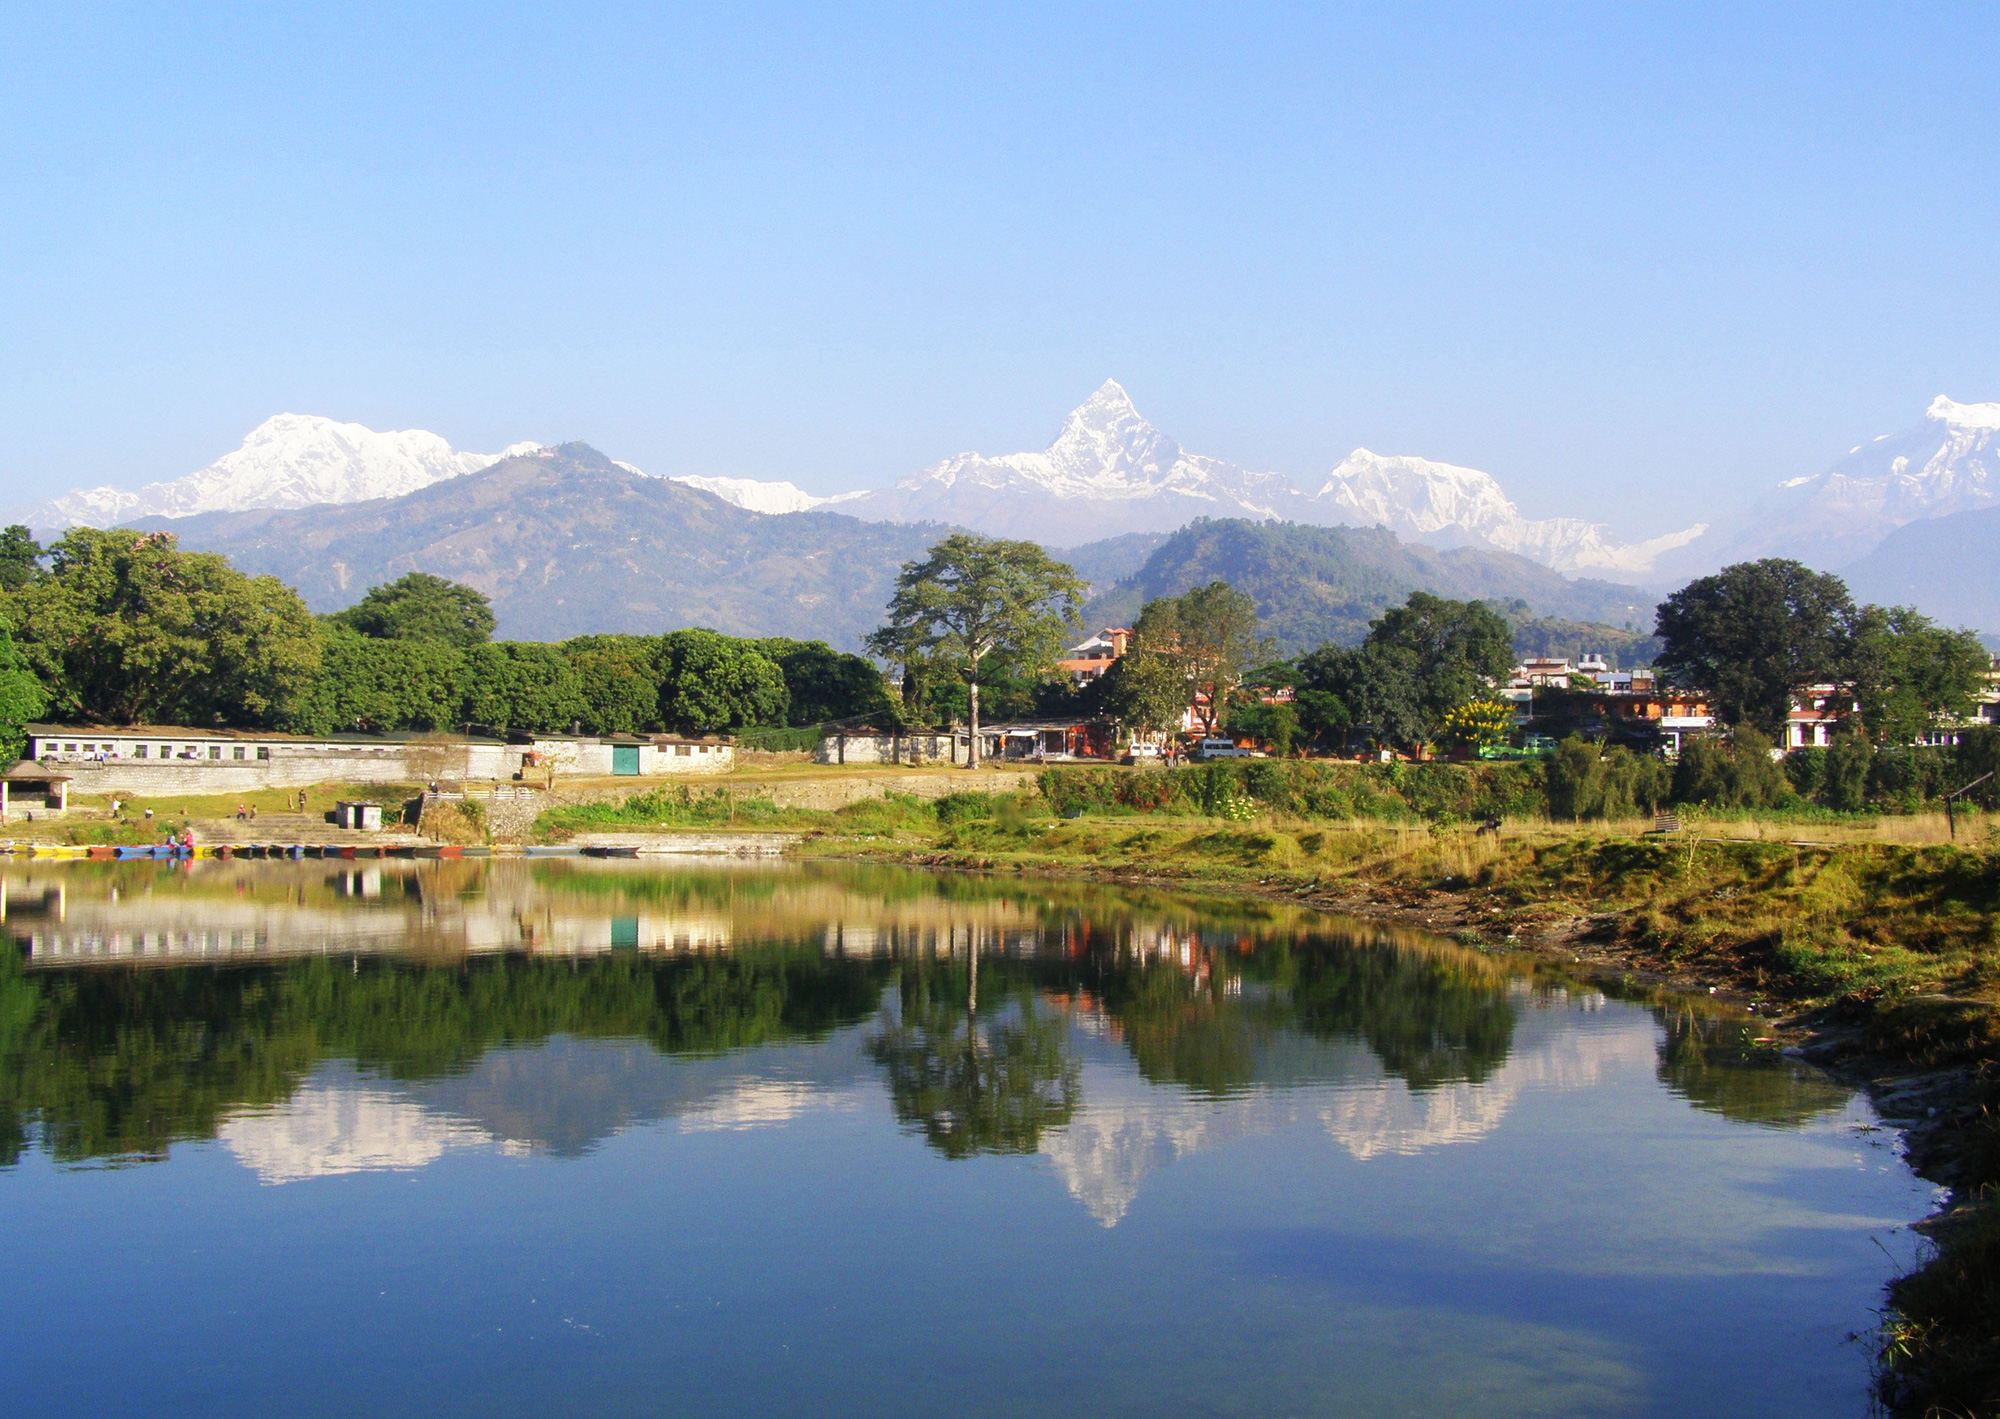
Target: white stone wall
{"x":839,"y":748}
{"x":582,"y":758}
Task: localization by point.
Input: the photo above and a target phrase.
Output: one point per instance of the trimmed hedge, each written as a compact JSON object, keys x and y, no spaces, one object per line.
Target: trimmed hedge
{"x":779,"y":739}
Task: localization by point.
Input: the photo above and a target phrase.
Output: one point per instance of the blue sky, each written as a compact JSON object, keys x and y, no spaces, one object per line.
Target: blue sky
{"x":1635,"y":261}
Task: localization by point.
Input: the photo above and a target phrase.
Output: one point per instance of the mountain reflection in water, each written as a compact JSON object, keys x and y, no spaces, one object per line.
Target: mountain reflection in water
{"x":321,"y":1019}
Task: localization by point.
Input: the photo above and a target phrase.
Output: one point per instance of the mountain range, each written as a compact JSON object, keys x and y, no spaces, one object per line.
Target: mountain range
{"x":1948,"y":464}
{"x":1313,"y":585}
{"x":1109,"y":472}
{"x":288,"y":461}
{"x":1112,"y":482}
{"x":564,"y":541}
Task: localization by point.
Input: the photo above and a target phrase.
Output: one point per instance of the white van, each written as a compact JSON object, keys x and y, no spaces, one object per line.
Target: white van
{"x":1220,"y":749}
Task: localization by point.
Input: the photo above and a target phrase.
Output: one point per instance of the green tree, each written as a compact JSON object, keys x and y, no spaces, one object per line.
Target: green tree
{"x":1211,"y":634}
{"x":20,"y":557}
{"x":378,"y":686}
{"x":419,"y":606}
{"x":1910,"y":675}
{"x":1420,"y":662}
{"x":1275,"y":725}
{"x":1737,"y":772}
{"x":971,"y":1085}
{"x":523,"y":686}
{"x":1752,"y":634}
{"x":621,"y":684}
{"x":823,"y":684}
{"x":128,"y":628}
{"x":1144,"y":689}
{"x":709,"y":681}
{"x":973,"y":597}
{"x":23,"y":697}
{"x":1848,"y":760}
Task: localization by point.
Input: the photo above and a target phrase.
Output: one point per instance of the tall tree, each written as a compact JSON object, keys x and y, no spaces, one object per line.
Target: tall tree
{"x":1752,"y":634}
{"x":419,"y":606}
{"x":1145,"y":689}
{"x":22,"y":696}
{"x":621,"y":688}
{"x":709,"y":681}
{"x":1910,"y":675}
{"x":378,"y":686}
{"x":523,"y":685}
{"x":973,"y":597}
{"x":126,"y":628}
{"x":20,"y":557}
{"x":1210,"y":635}
{"x":1421,"y":661}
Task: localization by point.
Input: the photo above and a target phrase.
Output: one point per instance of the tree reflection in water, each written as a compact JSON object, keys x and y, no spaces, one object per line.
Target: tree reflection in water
{"x":120,"y":1062}
{"x":969,"y":1083}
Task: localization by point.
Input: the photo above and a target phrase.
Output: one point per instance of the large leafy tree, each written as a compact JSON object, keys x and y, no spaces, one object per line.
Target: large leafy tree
{"x":824,"y":684}
{"x":1144,"y":689}
{"x":709,"y":681}
{"x":20,"y":557}
{"x":419,"y":606}
{"x":1209,"y":636}
{"x":1420,"y":662}
{"x":1910,"y":675}
{"x":976,"y":597}
{"x":621,"y":688}
{"x":376,"y":686}
{"x":1754,"y":632}
{"x":126,"y":627}
{"x":523,"y":685}
{"x":22,"y":696}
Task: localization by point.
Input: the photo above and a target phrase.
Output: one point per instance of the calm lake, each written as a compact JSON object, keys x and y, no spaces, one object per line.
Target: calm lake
{"x":572,"y":1137}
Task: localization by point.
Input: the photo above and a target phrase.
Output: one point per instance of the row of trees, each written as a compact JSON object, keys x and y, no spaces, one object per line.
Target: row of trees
{"x":1755,"y":632}
{"x":124,"y":627}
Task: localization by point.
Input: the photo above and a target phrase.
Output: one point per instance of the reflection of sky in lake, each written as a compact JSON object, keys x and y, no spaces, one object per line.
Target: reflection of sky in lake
{"x":560,"y":1223}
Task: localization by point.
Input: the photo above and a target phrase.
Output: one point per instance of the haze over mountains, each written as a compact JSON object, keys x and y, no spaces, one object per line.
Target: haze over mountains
{"x":1109,"y":488}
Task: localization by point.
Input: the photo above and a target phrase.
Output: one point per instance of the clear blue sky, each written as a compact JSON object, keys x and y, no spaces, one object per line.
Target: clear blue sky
{"x":1637,"y":261}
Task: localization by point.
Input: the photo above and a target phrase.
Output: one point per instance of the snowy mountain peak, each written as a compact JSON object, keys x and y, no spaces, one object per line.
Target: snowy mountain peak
{"x":1106,"y":440}
{"x":1444,"y":504}
{"x":1962,"y":416}
{"x":756,"y":496}
{"x":288,"y":461}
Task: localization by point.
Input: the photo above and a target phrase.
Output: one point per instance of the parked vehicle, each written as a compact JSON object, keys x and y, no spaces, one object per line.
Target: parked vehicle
{"x":1220,"y":749}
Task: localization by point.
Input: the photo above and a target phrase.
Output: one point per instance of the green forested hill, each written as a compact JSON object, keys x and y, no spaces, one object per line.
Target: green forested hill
{"x":1313,"y":585}
{"x":566,"y":542}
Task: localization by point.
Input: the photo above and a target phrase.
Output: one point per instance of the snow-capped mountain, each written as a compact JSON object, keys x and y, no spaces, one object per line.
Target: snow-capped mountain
{"x":1948,"y":464}
{"x":1108,"y":472}
{"x":288,"y":461}
{"x":1445,"y":505}
{"x":750,"y":493}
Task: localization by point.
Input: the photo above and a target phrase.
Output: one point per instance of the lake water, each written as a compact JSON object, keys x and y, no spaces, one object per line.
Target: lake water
{"x":568,"y":1137}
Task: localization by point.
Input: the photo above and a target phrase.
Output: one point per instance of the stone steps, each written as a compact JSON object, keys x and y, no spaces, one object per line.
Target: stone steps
{"x":308,"y":830}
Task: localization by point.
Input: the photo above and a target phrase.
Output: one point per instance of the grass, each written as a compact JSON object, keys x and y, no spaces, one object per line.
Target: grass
{"x":90,"y":820}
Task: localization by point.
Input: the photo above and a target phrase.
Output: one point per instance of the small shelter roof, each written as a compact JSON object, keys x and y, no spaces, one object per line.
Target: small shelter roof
{"x":29,"y":772}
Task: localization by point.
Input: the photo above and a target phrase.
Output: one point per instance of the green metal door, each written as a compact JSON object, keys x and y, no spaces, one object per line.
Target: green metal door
{"x":625,"y":759}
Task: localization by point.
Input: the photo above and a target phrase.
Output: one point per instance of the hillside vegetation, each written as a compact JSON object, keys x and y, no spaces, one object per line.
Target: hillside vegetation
{"x":1315,"y":585}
